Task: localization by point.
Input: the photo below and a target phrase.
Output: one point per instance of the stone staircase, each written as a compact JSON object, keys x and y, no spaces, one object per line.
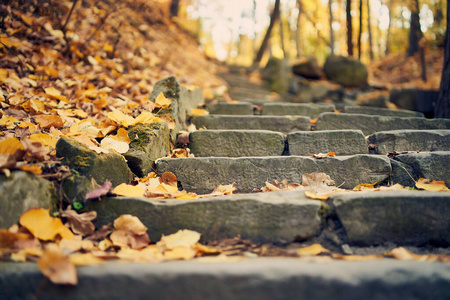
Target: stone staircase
{"x":247,"y":147}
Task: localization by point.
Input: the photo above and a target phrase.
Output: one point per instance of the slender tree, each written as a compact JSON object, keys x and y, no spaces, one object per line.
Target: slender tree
{"x":369,"y":28}
{"x":388,"y":36}
{"x":360,"y":27}
{"x":415,"y":33}
{"x":297,"y":31}
{"x":442,"y":109}
{"x":283,"y":45}
{"x":348,"y":10}
{"x":273,"y":18}
{"x":330,"y":2}
{"x":174,"y":7}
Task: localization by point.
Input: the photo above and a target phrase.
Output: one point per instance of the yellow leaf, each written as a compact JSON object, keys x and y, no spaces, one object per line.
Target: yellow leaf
{"x":47,"y":121}
{"x":10,"y":146}
{"x":182,"y":238}
{"x":147,"y":118}
{"x":3,"y":75}
{"x":148,"y":254}
{"x":85,"y":259}
{"x":44,"y":227}
{"x":316,"y":196}
{"x":46,"y":140}
{"x":32,"y":169}
{"x":8,"y":121}
{"x":129,"y":190}
{"x":199,"y":112}
{"x":57,"y":267}
{"x":184,"y":253}
{"x":54,"y":93}
{"x":162,"y":101}
{"x":364,"y":186}
{"x":314,"y":249}
{"x":109,"y":143}
{"x":121,"y":118}
{"x":403,"y":254}
{"x":431,"y":185}
{"x":357,"y":257}
{"x":108,"y":48}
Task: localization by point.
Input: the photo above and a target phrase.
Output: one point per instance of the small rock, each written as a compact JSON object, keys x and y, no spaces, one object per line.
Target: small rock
{"x":346,"y":71}
{"x":225,"y":108}
{"x":308,"y":68}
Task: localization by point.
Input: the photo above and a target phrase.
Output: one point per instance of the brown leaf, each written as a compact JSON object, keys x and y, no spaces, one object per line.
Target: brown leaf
{"x":169,"y":178}
{"x":431,"y":185}
{"x":101,"y":191}
{"x":125,"y":239}
{"x":130,"y":223}
{"x":80,"y":223}
{"x":57,"y":267}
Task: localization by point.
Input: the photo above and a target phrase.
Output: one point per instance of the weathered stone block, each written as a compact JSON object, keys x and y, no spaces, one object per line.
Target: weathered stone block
{"x":226,"y":108}
{"x":429,"y":165}
{"x":369,"y":110}
{"x":371,"y":124}
{"x":342,"y":142}
{"x":20,"y":192}
{"x":298,"y":109}
{"x":202,"y":175}
{"x":264,"y":217}
{"x":182,"y":101}
{"x":410,"y":140}
{"x":75,"y":187}
{"x":277,"y":73}
{"x":235,"y":143}
{"x":401,"y":217}
{"x":402,"y":174}
{"x":148,"y":143}
{"x":111,"y":166}
{"x":274,"y":123}
{"x":346,"y":71}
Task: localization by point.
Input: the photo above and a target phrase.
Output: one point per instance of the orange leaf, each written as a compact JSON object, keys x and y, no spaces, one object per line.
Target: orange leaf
{"x":199,"y":112}
{"x":10,"y":146}
{"x":168,"y":178}
{"x":129,"y":190}
{"x":162,"y":101}
{"x":57,"y":267}
{"x":44,"y":227}
{"x":314,"y":249}
{"x":32,"y":169}
{"x":47,"y":121}
{"x":431,"y":185}
{"x":313,"y":121}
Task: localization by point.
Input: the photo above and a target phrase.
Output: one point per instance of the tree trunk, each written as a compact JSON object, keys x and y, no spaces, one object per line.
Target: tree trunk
{"x":273,"y":18}
{"x":369,"y":28}
{"x":297,"y":32}
{"x":348,"y":10}
{"x":174,"y":6}
{"x":283,"y":46}
{"x":388,"y":36}
{"x":330,"y":2}
{"x":415,"y":33}
{"x":360,"y":27}
{"x":442,"y":109}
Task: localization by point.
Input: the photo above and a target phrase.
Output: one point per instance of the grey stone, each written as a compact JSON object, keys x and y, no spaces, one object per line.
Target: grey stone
{"x":410,"y":140}
{"x":371,"y":124}
{"x":148,"y":143}
{"x":401,"y":217}
{"x":368,"y":110}
{"x":111,"y":166}
{"x":274,"y":123}
{"x":342,"y":142}
{"x":235,"y":143}
{"x":251,"y":279}
{"x":225,"y":108}
{"x":277,"y":74}
{"x":299,"y":109}
{"x":75,"y":187}
{"x":278,"y":217}
{"x":346,"y":71}
{"x":404,"y":98}
{"x":429,"y":165}
{"x":182,"y":101}
{"x":308,"y":67}
{"x":20,"y":192}
{"x":402,"y":174}
{"x":202,"y":175}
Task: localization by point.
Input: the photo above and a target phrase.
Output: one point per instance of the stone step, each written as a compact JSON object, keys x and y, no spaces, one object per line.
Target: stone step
{"x":300,"y":109}
{"x":203,"y":174}
{"x":226,"y":108}
{"x":371,"y":124}
{"x":342,"y":142}
{"x":400,"y":217}
{"x":385,"y":142}
{"x":369,"y":110}
{"x":251,"y":279}
{"x":279,"y":217}
{"x":274,"y":123}
{"x":236,"y":143}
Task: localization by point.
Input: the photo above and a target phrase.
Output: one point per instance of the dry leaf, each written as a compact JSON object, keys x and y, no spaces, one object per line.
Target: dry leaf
{"x":169,"y":178}
{"x":109,"y":143}
{"x":182,"y":239}
{"x":323,"y":155}
{"x":57,"y":267}
{"x":431,"y":185}
{"x":126,"y":238}
{"x":314,"y":249}
{"x":357,"y":257}
{"x":364,"y":186}
{"x":183,"y":253}
{"x":85,"y":259}
{"x":44,"y":227}
{"x":162,"y":101}
{"x":101,"y":191}
{"x":10,"y":146}
{"x":47,"y":121}
{"x":403,"y":254}
{"x":80,"y":223}
{"x":148,"y":254}
{"x":128,"y":190}
{"x":130,"y":223}
{"x":199,"y":112}
{"x":75,"y":245}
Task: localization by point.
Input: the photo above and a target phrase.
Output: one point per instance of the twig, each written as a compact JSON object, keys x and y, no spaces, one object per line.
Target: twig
{"x":63,"y":29}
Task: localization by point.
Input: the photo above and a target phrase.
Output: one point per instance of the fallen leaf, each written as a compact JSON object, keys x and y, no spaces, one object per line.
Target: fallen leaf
{"x":85,"y":259}
{"x":31,"y":169}
{"x":150,"y":253}
{"x":57,"y":267}
{"x":80,"y":223}
{"x":364,"y":186}
{"x":199,"y":112}
{"x":126,"y":238}
{"x":162,"y":101}
{"x":110,"y":143}
{"x":47,"y":121}
{"x":10,"y":146}
{"x":180,"y":253}
{"x":181,"y":239}
{"x":101,"y":191}
{"x":323,"y":155}
{"x":44,"y":227}
{"x":128,"y":190}
{"x":169,"y":178}
{"x":75,"y":245}
{"x":130,"y":223}
{"x":431,"y":185}
{"x":314,"y":249}
{"x":403,"y":254}
{"x":357,"y":257}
